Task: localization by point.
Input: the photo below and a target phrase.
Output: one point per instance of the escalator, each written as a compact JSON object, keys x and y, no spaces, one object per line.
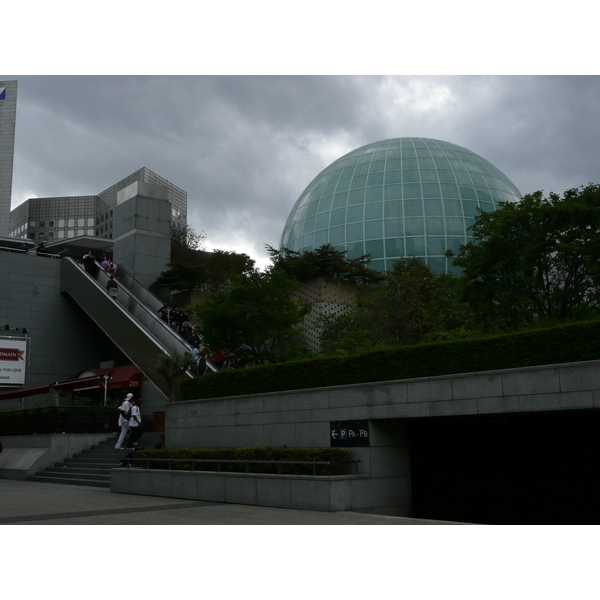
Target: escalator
{"x":130,"y":321}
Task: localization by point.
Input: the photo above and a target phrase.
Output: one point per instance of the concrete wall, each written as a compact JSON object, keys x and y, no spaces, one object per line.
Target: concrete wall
{"x":142,"y":231}
{"x":24,"y":455}
{"x":302,"y":418}
{"x":281,"y":491}
{"x":64,"y":340}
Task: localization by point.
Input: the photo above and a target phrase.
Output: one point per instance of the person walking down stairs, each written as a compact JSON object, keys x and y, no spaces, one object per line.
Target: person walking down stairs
{"x":124,"y":418}
{"x":135,"y":424}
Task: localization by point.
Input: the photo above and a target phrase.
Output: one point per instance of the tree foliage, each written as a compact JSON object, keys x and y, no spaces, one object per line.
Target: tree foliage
{"x":255,"y":318}
{"x":324,"y":261}
{"x":173,"y":367}
{"x":185,"y":242}
{"x":411,"y":305}
{"x":535,"y":260}
{"x":207,"y":271}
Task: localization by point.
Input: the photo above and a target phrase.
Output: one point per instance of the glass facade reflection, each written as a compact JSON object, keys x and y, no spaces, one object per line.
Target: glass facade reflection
{"x":396,"y":198}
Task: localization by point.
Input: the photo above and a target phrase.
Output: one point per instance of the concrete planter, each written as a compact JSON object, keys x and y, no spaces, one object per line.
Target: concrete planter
{"x":345,"y":492}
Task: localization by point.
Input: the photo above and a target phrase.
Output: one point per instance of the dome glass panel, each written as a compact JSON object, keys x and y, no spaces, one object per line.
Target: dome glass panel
{"x":414,"y":196}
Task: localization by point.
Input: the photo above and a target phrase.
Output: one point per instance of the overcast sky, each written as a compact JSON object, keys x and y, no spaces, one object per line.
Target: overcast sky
{"x":246,"y":144}
{"x":245,"y":147}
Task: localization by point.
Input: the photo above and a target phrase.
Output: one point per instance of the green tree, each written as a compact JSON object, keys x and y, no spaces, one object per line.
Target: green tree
{"x":185,"y":242}
{"x":324,"y":261}
{"x":411,"y":305}
{"x":255,"y":318}
{"x":173,"y":368}
{"x":535,"y":260}
{"x":206,"y":271}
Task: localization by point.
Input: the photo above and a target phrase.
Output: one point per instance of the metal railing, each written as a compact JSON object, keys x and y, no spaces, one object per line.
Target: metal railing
{"x":59,"y":419}
{"x":133,"y":462}
{"x":35,"y":251}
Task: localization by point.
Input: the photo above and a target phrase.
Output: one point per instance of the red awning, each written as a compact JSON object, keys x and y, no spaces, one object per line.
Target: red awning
{"x":118,"y":377}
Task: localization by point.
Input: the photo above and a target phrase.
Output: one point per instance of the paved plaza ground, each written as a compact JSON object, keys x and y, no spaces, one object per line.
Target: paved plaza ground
{"x":29,"y":503}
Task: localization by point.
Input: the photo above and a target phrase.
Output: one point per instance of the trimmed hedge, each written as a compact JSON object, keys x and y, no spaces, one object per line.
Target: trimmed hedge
{"x":566,"y":343}
{"x":335,"y":455}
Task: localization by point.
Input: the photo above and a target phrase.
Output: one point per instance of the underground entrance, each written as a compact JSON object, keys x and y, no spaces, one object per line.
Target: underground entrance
{"x":534,"y":468}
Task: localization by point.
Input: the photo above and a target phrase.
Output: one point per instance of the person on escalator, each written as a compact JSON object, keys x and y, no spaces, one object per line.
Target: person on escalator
{"x":164,"y":311}
{"x":193,"y":339}
{"x":112,"y":287}
{"x":89,"y":264}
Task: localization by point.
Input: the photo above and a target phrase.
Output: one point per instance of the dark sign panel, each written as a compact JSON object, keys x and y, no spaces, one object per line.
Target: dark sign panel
{"x":346,"y":434}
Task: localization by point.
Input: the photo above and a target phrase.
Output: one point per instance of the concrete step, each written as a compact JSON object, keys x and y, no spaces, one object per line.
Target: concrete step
{"x":59,"y":470}
{"x":70,"y":475}
{"x":92,"y":467}
{"x":95,"y":460}
{"x":70,"y":481}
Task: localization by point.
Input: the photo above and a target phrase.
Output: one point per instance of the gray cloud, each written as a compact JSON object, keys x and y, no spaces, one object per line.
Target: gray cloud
{"x":244,"y":147}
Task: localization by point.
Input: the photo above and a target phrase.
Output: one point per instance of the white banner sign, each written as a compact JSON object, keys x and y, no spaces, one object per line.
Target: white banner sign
{"x":13,"y":358}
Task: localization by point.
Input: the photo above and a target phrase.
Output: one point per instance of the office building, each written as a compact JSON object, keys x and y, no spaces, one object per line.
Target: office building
{"x":8,"y":116}
{"x":45,"y":220}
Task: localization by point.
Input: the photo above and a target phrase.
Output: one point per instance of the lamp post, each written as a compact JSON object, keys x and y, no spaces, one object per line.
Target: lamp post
{"x":106,"y":377}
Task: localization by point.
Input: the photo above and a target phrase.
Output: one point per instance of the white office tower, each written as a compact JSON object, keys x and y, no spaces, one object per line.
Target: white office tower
{"x":8,"y":116}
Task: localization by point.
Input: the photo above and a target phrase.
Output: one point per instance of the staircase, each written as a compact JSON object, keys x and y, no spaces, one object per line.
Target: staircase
{"x":91,"y":467}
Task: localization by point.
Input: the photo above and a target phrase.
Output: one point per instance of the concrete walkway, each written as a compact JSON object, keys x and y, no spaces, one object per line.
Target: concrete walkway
{"x":30,"y":503}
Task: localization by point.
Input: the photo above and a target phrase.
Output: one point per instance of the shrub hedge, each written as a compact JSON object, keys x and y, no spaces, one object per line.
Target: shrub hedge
{"x":335,"y":455}
{"x":566,"y":343}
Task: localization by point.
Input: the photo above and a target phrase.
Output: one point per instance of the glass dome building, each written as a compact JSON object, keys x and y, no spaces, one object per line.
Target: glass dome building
{"x":395,"y":198}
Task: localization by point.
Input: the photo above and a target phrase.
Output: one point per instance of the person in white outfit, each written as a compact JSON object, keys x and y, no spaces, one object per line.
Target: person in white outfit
{"x":124,"y":421}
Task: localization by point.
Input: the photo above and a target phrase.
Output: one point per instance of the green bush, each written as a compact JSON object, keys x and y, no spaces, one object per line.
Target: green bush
{"x":566,"y":343}
{"x":336,"y":455}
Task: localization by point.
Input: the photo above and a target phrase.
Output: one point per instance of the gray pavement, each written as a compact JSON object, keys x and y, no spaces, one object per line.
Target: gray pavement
{"x":31,"y":503}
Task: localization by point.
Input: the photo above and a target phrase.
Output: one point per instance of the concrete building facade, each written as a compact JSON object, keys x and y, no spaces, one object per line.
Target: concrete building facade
{"x":45,"y":220}
{"x":512,"y":446}
{"x":8,"y":117}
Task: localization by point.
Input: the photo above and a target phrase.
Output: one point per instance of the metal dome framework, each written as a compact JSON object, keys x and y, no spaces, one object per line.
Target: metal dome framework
{"x":395,"y":198}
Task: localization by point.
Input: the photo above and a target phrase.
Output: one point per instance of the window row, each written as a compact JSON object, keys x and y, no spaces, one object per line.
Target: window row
{"x":63,"y":223}
{"x":392,"y":247}
{"x":391,"y":227}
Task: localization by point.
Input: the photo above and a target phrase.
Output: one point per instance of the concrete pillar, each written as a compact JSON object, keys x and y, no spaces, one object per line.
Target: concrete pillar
{"x":142,"y":230}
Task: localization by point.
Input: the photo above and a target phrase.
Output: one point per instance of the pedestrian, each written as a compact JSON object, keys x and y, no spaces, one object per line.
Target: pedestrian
{"x":135,"y":423}
{"x":164,"y":312}
{"x":161,"y":442}
{"x":219,"y":358}
{"x":195,"y":354}
{"x":89,"y":264}
{"x":124,"y":417}
{"x":112,"y":287}
{"x":193,"y":339}
{"x":185,"y":331}
{"x":202,"y":362}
